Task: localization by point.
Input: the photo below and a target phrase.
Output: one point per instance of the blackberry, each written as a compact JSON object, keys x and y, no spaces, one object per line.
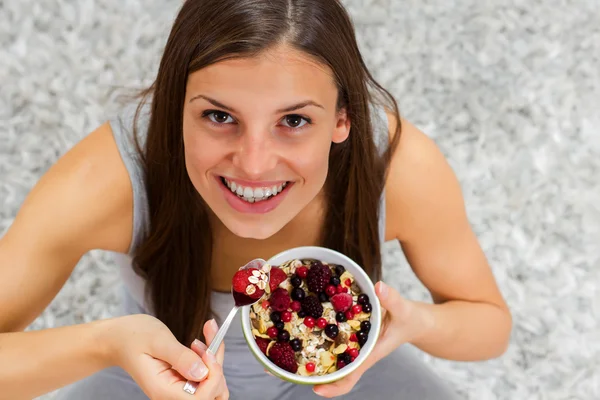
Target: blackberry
{"x":298,"y":294}
{"x":312,"y":306}
{"x":365,"y":326}
{"x":345,"y":357}
{"x":283,"y":336}
{"x":367,"y":307}
{"x":340,"y":317}
{"x":296,"y":281}
{"x":323,"y":297}
{"x":279,"y":325}
{"x":275,"y":316}
{"x":332,"y":331}
{"x":362,"y":337}
{"x":296,"y":344}
{"x":363,"y":299}
{"x":339,"y":270}
{"x":318,"y":277}
{"x":335,"y":280}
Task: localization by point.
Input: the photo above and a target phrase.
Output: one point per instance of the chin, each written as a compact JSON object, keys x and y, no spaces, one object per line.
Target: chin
{"x":257,"y":230}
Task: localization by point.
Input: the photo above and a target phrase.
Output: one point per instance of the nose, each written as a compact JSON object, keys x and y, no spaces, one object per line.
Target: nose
{"x":256,"y":155}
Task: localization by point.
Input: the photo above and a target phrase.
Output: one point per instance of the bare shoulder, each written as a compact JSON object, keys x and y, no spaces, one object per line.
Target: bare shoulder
{"x":83,"y":202}
{"x":420,"y":184}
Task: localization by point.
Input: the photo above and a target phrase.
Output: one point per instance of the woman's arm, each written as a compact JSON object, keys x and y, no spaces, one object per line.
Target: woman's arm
{"x":426,"y":214}
{"x":82,"y":203}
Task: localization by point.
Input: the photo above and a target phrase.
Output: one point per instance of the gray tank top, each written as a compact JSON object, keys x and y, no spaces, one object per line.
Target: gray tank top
{"x":122,"y":127}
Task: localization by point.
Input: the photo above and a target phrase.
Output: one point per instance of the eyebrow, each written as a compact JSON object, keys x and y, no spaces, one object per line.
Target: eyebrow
{"x":293,"y":107}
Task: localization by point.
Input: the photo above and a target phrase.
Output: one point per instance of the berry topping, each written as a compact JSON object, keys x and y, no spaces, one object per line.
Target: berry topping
{"x":283,"y":356}
{"x":318,"y":277}
{"x":302,"y":272}
{"x":280,"y":299}
{"x":367,"y":307}
{"x":340,"y":317}
{"x":363,"y":299}
{"x":332,"y":331}
{"x":295,"y":306}
{"x":298,"y":293}
{"x":283,"y":336}
{"x":349,"y":314}
{"x":345,"y":357}
{"x":348,"y":282}
{"x":340,"y":364}
{"x":339,"y":270}
{"x":341,"y":301}
{"x":296,"y":344}
{"x":266,"y":304}
{"x":309,"y":321}
{"x":250,"y":282}
{"x":356,"y":309}
{"x":365,"y":326}
{"x":310,"y":367}
{"x":323,"y":298}
{"x":353,"y":352}
{"x":362,"y":337}
{"x":286,"y":316}
{"x":301,"y":314}
{"x":272,"y":332}
{"x":353,"y":338}
{"x":275,"y":316}
{"x":312,"y":306}
{"x":321,"y":323}
{"x":341,"y":289}
{"x":335,"y":280}
{"x":263,"y":344}
{"x":330,"y":290}
{"x":279,"y":325}
{"x":240,"y":280}
{"x":296,"y":281}
{"x":277,"y":276}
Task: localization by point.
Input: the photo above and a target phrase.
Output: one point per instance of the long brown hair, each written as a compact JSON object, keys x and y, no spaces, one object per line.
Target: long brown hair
{"x":175,"y":256}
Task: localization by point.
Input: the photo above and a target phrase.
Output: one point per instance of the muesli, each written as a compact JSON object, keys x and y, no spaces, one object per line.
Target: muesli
{"x":315,"y":319}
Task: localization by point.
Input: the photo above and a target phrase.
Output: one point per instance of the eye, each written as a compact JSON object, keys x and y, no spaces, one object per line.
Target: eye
{"x":295,"y":121}
{"x":218,"y":117}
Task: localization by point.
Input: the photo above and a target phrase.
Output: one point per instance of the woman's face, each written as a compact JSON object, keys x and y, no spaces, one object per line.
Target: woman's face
{"x":257,"y":134}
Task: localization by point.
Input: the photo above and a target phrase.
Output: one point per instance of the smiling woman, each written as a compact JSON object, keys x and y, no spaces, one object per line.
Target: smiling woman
{"x":263,"y":131}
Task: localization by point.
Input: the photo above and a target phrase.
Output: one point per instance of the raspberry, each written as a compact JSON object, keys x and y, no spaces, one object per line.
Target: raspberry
{"x":283,"y":356}
{"x":263,"y":344}
{"x":276,"y":277}
{"x":318,"y":277}
{"x":356,"y":309}
{"x":272,"y":332}
{"x":340,"y":301}
{"x":240,"y":280}
{"x":302,"y":271}
{"x":349,"y":315}
{"x":312,"y":306}
{"x":280,"y":300}
{"x":310,"y":367}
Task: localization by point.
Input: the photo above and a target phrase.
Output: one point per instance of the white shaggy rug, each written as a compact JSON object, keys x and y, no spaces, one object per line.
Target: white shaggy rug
{"x":508,"y":89}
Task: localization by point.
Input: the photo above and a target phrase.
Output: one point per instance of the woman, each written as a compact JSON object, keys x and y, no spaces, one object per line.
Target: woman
{"x":274,"y":97}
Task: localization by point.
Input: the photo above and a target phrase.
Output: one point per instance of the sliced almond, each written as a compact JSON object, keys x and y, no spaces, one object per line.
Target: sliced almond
{"x":269,"y":346}
{"x":262,"y":327}
{"x":362,"y":316}
{"x":354,"y":324}
{"x":327,"y":359}
{"x":354,"y":345}
{"x":331,"y":369}
{"x":302,"y":371}
{"x":255,"y":332}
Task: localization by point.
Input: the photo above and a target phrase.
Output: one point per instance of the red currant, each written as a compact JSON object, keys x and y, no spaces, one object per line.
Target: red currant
{"x":330,"y":290}
{"x":357,"y":309}
{"x":309,"y":321}
{"x":353,"y":352}
{"x":349,"y":314}
{"x":340,"y":364}
{"x":321,"y":323}
{"x":310,"y":367}
{"x":339,"y":289}
{"x":265,"y":304}
{"x":272,"y":332}
{"x":352,"y":359}
{"x":353,"y":338}
{"x":295,"y":306}
{"x":286,"y":316}
{"x":301,"y":272}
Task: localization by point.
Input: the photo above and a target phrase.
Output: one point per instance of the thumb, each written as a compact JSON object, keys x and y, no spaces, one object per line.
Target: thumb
{"x":394,"y":304}
{"x":183,"y":359}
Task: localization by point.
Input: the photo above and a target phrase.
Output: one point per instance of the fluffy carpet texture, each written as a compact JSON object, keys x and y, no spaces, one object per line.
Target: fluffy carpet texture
{"x":509,"y":89}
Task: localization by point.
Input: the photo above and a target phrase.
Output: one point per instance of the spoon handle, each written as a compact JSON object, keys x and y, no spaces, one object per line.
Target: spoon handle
{"x":191,"y":386}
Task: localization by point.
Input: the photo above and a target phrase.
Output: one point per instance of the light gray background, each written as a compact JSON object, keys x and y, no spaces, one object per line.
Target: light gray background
{"x":508,"y":89}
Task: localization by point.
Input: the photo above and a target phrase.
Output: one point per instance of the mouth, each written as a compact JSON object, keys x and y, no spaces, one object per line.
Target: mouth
{"x":254,"y":194}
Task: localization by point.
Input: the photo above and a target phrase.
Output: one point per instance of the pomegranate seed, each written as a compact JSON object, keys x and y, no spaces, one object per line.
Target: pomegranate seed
{"x":286,"y":316}
{"x":330,"y":290}
{"x":357,"y":309}
{"x":353,"y":338}
{"x":348,"y":282}
{"x":349,"y":315}
{"x":265,"y":304}
{"x":353,"y":352}
{"x":321,"y":323}
{"x":295,"y":306}
{"x":309,"y":321}
{"x":272,"y":332}
{"x":310,"y":367}
{"x":301,"y":272}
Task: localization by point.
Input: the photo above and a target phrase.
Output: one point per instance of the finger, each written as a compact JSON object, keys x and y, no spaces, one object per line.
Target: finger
{"x":198,"y":347}
{"x":397,"y":307}
{"x":183,"y":359}
{"x":269,"y":372}
{"x":212,"y":386}
{"x":340,"y":387}
{"x":210,"y":330}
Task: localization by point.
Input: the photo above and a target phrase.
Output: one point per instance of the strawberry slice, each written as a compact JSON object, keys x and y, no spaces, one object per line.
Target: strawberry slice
{"x":240,"y":280}
{"x":277,"y":276}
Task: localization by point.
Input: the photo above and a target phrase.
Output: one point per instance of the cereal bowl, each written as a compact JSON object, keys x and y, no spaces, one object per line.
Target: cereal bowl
{"x":313,"y":342}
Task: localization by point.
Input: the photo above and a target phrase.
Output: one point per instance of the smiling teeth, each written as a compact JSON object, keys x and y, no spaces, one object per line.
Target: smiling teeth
{"x":256,"y":194}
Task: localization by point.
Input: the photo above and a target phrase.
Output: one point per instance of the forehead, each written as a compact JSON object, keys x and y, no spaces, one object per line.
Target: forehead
{"x":272,"y":76}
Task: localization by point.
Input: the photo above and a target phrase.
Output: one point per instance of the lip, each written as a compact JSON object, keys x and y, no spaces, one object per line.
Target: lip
{"x":262,"y":207}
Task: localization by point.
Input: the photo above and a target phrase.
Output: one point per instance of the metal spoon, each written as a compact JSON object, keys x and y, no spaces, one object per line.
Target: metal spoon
{"x":261,"y":279}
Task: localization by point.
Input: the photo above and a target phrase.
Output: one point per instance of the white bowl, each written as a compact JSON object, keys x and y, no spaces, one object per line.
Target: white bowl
{"x":366,"y":286}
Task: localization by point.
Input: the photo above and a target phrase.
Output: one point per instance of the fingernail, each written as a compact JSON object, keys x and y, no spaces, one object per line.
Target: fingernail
{"x":383,"y":290}
{"x":199,"y":370}
{"x":317,"y":392}
{"x":198,"y":343}
{"x":213,"y":325}
{"x":211,"y":357}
